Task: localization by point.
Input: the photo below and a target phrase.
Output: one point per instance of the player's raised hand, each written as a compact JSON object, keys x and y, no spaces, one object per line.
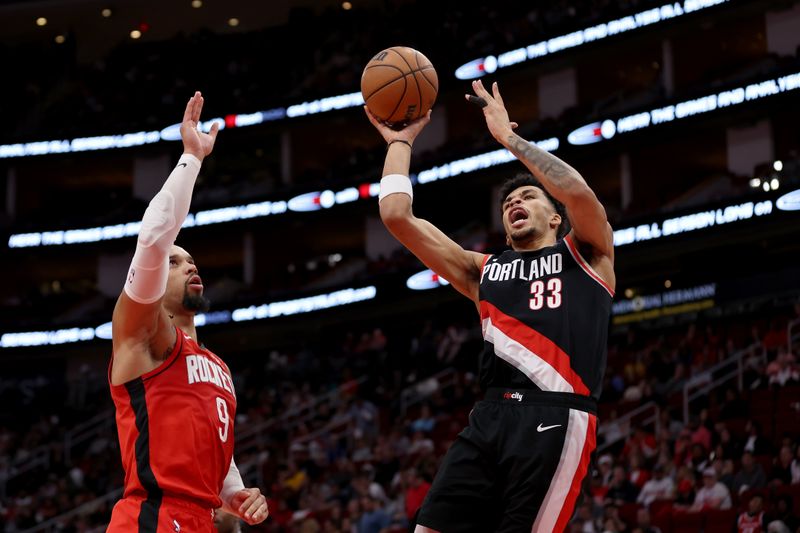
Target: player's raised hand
{"x":494,"y":110}
{"x":196,"y":142}
{"x":251,"y":505}
{"x":408,"y":133}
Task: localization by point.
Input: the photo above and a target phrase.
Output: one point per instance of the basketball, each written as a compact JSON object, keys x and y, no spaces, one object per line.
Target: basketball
{"x":399,"y":85}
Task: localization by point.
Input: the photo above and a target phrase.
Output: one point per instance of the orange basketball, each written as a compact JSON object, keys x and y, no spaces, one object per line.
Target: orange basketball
{"x":399,"y":85}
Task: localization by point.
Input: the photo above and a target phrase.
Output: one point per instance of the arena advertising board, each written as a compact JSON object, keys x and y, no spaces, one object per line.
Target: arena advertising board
{"x":245,"y":314}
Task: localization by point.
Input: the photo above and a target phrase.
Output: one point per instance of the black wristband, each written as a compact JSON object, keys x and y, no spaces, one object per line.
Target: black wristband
{"x":398,"y":141}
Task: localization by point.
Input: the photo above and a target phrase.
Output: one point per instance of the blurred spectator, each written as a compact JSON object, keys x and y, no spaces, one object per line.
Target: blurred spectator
{"x":783,"y":370}
{"x":416,"y":490}
{"x":374,"y":518}
{"x":612,"y":523}
{"x":620,"y":490}
{"x":781,"y":473}
{"x":637,"y":474}
{"x":783,"y":518}
{"x":752,"y":520}
{"x":660,"y":487}
{"x":450,"y":344}
{"x":713,"y":494}
{"x":796,"y":466}
{"x":755,"y":443}
{"x":605,"y":465}
{"x":751,"y":475}
{"x":700,"y":433}
{"x":644,"y":523}
{"x":640,"y":442}
{"x":426,"y":422}
{"x":733,"y":406}
{"x":583,"y":521}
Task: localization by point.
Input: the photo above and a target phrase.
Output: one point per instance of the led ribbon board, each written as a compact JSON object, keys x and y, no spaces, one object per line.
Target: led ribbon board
{"x":699,"y":220}
{"x":311,"y":201}
{"x":260,"y":312}
{"x":487,"y":65}
{"x":608,"y":129}
{"x":472,"y":69}
{"x":172,"y":133}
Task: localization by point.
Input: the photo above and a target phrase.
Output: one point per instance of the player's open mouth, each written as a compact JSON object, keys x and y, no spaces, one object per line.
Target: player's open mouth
{"x":195,"y":282}
{"x":517,"y":217}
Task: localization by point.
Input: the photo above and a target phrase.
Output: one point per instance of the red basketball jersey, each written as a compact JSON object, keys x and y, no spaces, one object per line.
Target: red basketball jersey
{"x":750,"y":524}
{"x":175,"y":427}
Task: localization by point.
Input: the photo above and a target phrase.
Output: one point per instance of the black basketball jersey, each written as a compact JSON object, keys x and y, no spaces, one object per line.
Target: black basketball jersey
{"x":544,"y":316}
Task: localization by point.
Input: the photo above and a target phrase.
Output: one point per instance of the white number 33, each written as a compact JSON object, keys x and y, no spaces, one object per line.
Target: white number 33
{"x":224,"y":418}
{"x":538,"y":297}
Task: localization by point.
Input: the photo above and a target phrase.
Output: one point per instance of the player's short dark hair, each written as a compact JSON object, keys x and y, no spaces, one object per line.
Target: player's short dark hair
{"x":524,"y":179}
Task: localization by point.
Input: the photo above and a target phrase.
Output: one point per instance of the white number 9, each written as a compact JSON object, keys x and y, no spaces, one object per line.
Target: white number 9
{"x":222,"y":412}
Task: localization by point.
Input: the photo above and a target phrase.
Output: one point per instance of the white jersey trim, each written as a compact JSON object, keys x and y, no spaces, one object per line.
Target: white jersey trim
{"x":584,"y":264}
{"x":571,"y":455}
{"x":529,"y":363}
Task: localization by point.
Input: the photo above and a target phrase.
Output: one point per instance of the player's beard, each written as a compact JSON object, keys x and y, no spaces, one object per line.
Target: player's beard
{"x":195,"y":302}
{"x":523,"y":235}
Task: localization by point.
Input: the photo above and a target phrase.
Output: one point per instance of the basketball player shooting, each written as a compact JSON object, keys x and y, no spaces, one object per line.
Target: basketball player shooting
{"x":544,"y":306}
{"x":174,"y":399}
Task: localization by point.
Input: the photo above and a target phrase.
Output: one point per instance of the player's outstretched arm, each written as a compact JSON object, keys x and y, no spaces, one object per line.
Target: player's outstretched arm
{"x":435,"y":249}
{"x":142,"y":332}
{"x":587,"y":215}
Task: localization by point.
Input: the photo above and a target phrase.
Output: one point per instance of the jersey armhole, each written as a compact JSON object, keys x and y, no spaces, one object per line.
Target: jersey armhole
{"x":584,"y":264}
{"x":157,"y":370}
{"x":486,"y":258}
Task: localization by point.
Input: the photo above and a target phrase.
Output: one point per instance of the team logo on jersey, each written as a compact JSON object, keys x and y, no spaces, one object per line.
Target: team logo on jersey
{"x":513,"y":396}
{"x":201,"y":369}
{"x":177,"y":526}
{"x":517,"y":269}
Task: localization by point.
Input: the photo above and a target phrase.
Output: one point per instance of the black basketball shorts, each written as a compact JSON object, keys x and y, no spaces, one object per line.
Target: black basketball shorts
{"x":518,"y":466}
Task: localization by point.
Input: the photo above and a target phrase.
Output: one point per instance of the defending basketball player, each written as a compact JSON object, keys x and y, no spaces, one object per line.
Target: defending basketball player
{"x":544,"y":306}
{"x":174,"y":399}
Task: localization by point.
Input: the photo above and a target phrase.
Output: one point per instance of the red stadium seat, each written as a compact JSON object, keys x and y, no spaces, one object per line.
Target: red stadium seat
{"x":720,"y":521}
{"x":787,"y":395}
{"x":627,"y":512}
{"x":661,"y":514}
{"x":794,"y":492}
{"x":736,"y":426}
{"x":762,"y":401}
{"x":765,"y":461}
{"x":685,"y":521}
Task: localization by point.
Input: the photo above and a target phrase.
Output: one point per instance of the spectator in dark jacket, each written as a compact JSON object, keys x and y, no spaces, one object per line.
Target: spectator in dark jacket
{"x":751,"y":476}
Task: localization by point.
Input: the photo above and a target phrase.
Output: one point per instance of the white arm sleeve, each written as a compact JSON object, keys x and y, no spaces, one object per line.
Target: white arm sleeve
{"x":233,"y":483}
{"x":147,"y":276}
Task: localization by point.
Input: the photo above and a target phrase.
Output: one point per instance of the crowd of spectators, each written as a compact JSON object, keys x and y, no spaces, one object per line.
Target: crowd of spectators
{"x":341,"y":447}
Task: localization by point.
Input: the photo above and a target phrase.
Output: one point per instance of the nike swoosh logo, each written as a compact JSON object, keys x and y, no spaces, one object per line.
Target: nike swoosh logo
{"x":181,"y":164}
{"x":541,"y":428}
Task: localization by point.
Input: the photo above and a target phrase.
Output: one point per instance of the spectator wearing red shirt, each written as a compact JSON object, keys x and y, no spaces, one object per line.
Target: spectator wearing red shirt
{"x":416,"y":490}
{"x":641,"y":441}
{"x":700,"y":434}
{"x":752,"y":520}
{"x":637,"y":474}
